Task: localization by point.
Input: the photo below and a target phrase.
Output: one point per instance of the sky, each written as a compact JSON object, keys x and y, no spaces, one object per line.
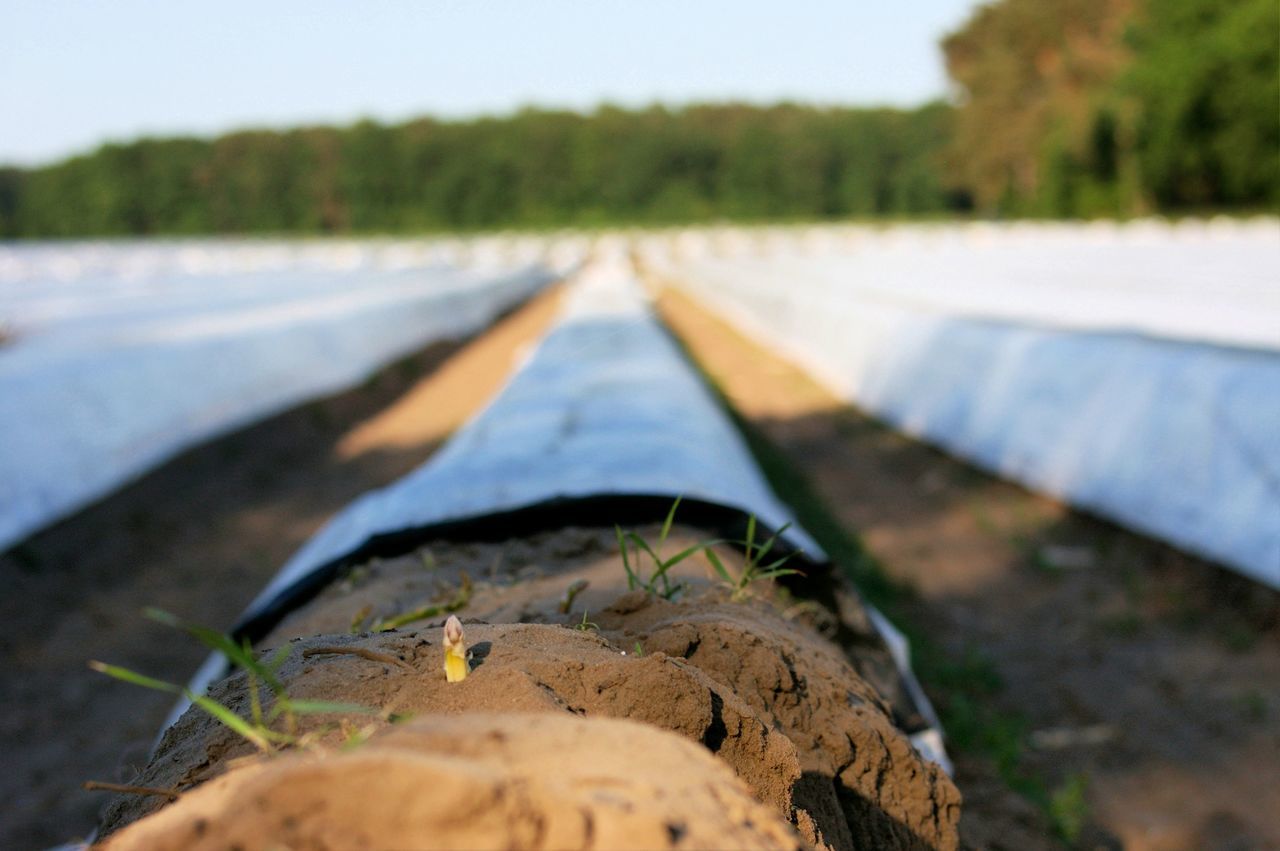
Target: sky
{"x":76,"y":74}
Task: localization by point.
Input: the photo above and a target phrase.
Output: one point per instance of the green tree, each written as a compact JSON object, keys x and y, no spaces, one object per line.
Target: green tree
{"x":1208,"y":77}
{"x":536,"y":168}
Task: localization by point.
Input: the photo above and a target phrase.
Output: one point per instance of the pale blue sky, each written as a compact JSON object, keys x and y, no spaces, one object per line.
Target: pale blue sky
{"x":74,"y":74}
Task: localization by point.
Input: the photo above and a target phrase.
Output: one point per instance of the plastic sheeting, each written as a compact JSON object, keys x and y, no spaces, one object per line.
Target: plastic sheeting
{"x":1131,"y":370}
{"x":121,"y":355}
{"x":605,"y":407}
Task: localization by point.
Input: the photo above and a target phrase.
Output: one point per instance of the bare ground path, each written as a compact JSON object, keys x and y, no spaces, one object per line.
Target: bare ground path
{"x":1128,"y":689}
{"x":200,"y":536}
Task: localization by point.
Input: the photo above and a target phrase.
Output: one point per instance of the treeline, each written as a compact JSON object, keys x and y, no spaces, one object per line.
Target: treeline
{"x":536,"y":168}
{"x":1118,"y":107}
{"x":1063,"y":108}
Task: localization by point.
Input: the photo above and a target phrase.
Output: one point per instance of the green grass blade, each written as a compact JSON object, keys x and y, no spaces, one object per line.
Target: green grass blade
{"x":642,"y":544}
{"x":768,"y":545}
{"x":460,"y":600}
{"x":626,"y":562}
{"x":780,"y":571}
{"x":356,"y":739}
{"x":232,"y":720}
{"x":719,"y":567}
{"x":210,"y":638}
{"x":750,"y":541}
{"x":161,"y":616}
{"x":277,"y":659}
{"x":134,"y":678}
{"x":668,"y":593}
{"x":666,"y":524}
{"x":255,"y":699}
{"x":397,"y":621}
{"x":218,"y":642}
{"x":679,"y":557}
{"x":779,"y":561}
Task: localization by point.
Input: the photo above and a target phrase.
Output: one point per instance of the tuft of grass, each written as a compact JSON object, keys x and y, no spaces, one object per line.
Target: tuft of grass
{"x":261,"y":673}
{"x":752,"y":568}
{"x":586,"y":625}
{"x":658,"y":582}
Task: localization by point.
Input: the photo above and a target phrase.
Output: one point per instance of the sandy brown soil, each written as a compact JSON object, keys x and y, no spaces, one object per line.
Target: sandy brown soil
{"x":1135,"y":686}
{"x":478,"y":781}
{"x":749,"y":679}
{"x":200,"y":537}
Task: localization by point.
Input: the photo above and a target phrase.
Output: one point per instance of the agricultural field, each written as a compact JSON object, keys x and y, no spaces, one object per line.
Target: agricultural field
{"x":691,"y":478}
{"x":640,"y":426}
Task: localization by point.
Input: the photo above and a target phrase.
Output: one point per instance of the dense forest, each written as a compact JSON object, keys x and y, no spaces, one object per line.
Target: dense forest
{"x":533,"y":169}
{"x":1063,"y":108}
{"x":1117,"y":107}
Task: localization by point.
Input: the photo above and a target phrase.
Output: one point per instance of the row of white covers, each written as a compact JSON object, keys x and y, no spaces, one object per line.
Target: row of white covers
{"x":606,"y":406}
{"x":117,"y":356}
{"x":1132,"y":370}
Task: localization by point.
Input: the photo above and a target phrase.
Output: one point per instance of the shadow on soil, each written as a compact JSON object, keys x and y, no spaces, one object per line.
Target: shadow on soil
{"x":1098,"y":688}
{"x":200,"y":536}
{"x":1073,"y":662}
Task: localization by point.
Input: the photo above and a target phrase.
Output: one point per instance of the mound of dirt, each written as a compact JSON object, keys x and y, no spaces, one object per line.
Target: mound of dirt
{"x":803,"y":687}
{"x":742,"y":674}
{"x":478,"y":781}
